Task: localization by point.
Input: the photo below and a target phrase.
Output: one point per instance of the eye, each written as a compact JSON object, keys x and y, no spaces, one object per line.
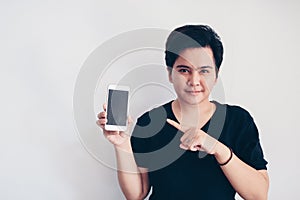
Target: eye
{"x":204,"y":71}
{"x":184,"y":71}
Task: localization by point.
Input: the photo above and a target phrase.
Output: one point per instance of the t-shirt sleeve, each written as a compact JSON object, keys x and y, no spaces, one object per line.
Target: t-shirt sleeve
{"x":249,"y":147}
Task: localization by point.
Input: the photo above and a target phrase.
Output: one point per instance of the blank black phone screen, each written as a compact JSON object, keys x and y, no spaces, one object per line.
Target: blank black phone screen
{"x":117,"y":107}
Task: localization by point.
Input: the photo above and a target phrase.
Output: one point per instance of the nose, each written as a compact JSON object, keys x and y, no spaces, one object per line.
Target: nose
{"x":194,"y":79}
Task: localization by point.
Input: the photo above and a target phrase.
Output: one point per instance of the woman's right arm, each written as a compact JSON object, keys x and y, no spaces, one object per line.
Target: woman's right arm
{"x":133,"y":180}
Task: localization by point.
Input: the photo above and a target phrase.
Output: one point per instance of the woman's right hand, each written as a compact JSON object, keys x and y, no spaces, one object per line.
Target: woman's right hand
{"x":117,"y":138}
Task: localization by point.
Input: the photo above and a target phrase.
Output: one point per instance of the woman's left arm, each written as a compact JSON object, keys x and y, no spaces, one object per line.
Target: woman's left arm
{"x":247,"y":181}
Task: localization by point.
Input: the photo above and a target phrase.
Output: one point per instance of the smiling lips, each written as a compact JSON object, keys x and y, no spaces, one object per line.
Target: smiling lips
{"x":194,"y":92}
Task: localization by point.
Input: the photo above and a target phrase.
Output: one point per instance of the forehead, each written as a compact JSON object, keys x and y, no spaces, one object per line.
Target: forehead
{"x":196,"y":57}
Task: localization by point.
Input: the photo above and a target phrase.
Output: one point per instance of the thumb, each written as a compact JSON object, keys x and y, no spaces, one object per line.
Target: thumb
{"x":104,"y":107}
{"x":130,"y":120}
{"x":129,"y":127}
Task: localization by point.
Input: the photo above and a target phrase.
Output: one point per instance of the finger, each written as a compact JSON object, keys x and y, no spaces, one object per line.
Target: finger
{"x":99,"y":123}
{"x":188,"y":134}
{"x":101,"y":115}
{"x":102,"y":121}
{"x":194,"y":146}
{"x":104,"y":107}
{"x":199,"y":147}
{"x":182,"y":146}
{"x":189,"y":142}
{"x":129,"y":125}
{"x":184,"y":139}
{"x":191,"y":139}
{"x":175,"y":124}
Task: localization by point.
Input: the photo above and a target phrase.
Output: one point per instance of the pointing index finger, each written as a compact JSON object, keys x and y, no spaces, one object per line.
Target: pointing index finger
{"x":175,"y":124}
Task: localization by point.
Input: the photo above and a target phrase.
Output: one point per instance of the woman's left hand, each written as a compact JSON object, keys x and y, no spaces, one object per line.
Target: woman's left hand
{"x":195,"y":139}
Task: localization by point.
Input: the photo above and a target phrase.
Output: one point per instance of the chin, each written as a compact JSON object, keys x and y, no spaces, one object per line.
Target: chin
{"x":193,"y":101}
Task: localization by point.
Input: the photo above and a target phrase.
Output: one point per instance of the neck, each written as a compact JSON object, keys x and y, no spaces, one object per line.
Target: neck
{"x":203,"y":106}
{"x":192,"y":115}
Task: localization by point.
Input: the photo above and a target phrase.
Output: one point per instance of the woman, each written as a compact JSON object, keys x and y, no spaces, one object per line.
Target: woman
{"x":191,"y":147}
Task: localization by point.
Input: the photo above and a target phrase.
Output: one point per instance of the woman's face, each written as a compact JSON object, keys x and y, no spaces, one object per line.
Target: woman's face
{"x":193,"y":75}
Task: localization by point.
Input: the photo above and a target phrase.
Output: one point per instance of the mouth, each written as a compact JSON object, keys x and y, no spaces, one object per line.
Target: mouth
{"x":194,"y":92}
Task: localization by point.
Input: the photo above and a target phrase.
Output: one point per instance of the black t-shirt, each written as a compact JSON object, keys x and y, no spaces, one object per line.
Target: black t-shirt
{"x":178,"y":174}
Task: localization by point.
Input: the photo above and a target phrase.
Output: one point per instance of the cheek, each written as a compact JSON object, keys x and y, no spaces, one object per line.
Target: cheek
{"x":178,"y":79}
{"x":210,"y":85}
{"x":210,"y":81}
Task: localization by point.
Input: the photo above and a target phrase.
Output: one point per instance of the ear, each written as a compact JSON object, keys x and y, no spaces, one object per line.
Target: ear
{"x":169,"y":69}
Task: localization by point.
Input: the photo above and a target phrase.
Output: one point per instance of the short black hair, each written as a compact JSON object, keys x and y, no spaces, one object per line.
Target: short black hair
{"x":193,"y":36}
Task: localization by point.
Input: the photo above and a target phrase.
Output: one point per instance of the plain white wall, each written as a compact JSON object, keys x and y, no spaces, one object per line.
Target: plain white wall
{"x":45,"y":43}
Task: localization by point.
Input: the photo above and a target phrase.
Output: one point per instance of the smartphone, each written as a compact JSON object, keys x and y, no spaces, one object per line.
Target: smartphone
{"x":117,"y":108}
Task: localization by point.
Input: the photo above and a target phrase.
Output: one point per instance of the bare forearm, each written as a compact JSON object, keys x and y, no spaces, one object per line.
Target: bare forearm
{"x":130,"y":178}
{"x":247,"y":181}
{"x":133,"y":180}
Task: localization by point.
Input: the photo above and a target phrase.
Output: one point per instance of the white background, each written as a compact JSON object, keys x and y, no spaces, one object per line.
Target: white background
{"x":44,"y":44}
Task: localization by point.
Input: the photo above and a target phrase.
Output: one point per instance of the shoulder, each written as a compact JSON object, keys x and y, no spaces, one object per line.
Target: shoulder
{"x":235,"y":112}
{"x":148,"y":125}
{"x":156,"y":114}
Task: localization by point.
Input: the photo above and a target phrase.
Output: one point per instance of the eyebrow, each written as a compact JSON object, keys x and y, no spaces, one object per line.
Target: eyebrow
{"x":202,"y":67}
